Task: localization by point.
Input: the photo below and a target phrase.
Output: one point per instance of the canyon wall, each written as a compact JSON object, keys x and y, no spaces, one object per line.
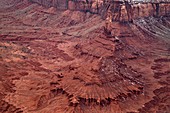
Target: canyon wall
{"x":55,"y":62}
{"x":135,"y":11}
{"x":120,"y":11}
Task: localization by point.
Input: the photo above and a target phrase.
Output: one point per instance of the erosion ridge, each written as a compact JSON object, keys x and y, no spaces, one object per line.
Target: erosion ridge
{"x":54,"y":61}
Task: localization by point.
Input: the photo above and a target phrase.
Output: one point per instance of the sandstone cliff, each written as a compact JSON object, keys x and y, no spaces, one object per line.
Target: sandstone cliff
{"x":54,"y":61}
{"x":121,"y":11}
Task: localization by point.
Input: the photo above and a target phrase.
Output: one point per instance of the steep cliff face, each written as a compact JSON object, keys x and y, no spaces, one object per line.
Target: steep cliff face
{"x":121,"y":11}
{"x":139,"y":10}
{"x":61,"y":61}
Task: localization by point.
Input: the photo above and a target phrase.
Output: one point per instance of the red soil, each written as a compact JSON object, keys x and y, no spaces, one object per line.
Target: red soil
{"x":61,"y":62}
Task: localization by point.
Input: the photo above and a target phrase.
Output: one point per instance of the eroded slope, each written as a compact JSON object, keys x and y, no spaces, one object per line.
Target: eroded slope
{"x":61,"y":62}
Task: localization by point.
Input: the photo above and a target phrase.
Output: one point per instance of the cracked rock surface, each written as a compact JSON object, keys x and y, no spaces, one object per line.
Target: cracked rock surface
{"x":61,"y":62}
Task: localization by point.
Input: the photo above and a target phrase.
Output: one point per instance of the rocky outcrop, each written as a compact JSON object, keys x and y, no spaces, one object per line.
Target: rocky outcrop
{"x":121,"y":11}
{"x":55,"y":62}
{"x":139,"y":10}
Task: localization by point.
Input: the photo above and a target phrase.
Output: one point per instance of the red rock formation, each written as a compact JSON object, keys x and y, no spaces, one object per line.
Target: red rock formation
{"x":62,"y":62}
{"x":120,"y":11}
